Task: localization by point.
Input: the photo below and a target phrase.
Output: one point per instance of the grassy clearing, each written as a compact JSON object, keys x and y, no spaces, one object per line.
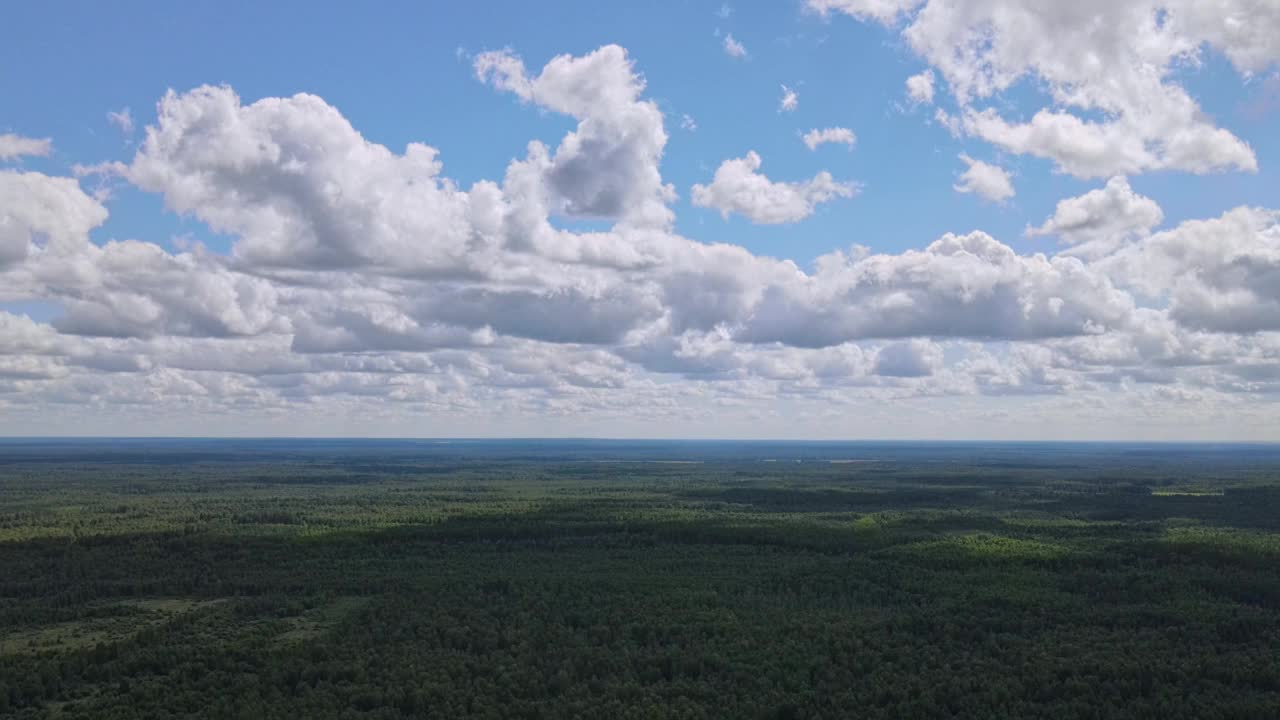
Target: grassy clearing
{"x":317,"y":621}
{"x":125,"y":619}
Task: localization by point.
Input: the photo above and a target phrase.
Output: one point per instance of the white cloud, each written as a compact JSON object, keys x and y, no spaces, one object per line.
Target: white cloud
{"x":913,"y":358}
{"x":990,"y":181}
{"x":790,"y":100}
{"x":608,"y":167}
{"x":122,"y":120}
{"x":687,"y":123}
{"x":1098,"y":149}
{"x":733,"y":48}
{"x":738,"y":188}
{"x":1243,"y":29}
{"x":15,"y":146}
{"x":20,"y":334}
{"x":1102,"y":218}
{"x":323,"y":196}
{"x":1220,"y":275}
{"x":136,"y":289}
{"x":960,"y":286}
{"x":920,"y":88}
{"x":43,"y":214}
{"x":1094,"y":57}
{"x":835,"y":135}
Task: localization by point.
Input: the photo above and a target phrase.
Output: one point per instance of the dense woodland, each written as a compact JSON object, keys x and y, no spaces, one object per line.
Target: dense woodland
{"x":353,"y":580}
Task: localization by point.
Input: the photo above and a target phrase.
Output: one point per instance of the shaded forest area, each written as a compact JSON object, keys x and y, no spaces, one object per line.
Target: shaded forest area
{"x":526,"y":580}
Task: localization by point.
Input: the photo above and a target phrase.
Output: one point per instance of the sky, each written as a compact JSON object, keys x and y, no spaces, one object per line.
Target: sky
{"x":811,"y":219}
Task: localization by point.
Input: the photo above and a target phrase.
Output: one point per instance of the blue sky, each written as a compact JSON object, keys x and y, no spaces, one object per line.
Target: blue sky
{"x":405,"y":73}
{"x":397,"y":75}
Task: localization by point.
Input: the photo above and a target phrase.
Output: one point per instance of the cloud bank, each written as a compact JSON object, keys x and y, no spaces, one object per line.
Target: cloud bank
{"x":362,"y":282}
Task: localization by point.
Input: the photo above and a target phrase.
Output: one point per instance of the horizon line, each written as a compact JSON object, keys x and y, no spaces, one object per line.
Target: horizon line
{"x":531,"y":438}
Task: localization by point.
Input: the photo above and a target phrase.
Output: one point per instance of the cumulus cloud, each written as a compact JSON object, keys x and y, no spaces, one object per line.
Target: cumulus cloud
{"x":738,"y":188}
{"x":990,"y":181}
{"x":1102,"y":218}
{"x":323,"y":197}
{"x":1243,"y":29}
{"x":920,"y":88}
{"x":15,"y":146}
{"x":834,"y":135}
{"x":1220,"y":275}
{"x":608,"y":167}
{"x":733,"y":48}
{"x":960,"y":286}
{"x":136,"y":289}
{"x":20,"y":334}
{"x":41,"y":213}
{"x":1086,"y":56}
{"x":1096,"y":149}
{"x":914,"y":358}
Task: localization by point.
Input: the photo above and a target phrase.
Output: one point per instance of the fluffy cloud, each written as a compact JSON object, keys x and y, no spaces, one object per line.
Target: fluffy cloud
{"x":914,"y":358}
{"x":834,"y":135}
{"x":960,"y":286}
{"x":990,"y":181}
{"x":738,"y":188}
{"x":1101,"y":218}
{"x":15,"y":146}
{"x":1243,"y":29}
{"x":920,"y":87}
{"x":1086,"y":56}
{"x":131,"y":288}
{"x":21,"y":335}
{"x":1219,"y":275}
{"x":608,"y":167}
{"x":1092,"y":149}
{"x":43,"y":213}
{"x":298,"y":186}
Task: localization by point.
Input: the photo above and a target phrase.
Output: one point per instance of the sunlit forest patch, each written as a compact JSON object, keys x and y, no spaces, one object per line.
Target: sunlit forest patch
{"x":981,"y":547}
{"x":1244,"y":543}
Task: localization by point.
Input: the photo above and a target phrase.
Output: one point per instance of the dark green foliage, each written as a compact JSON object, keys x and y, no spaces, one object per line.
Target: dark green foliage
{"x":291,"y":584}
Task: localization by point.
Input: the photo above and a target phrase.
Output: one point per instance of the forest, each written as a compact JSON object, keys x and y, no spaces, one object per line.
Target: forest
{"x":628,"y":580}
